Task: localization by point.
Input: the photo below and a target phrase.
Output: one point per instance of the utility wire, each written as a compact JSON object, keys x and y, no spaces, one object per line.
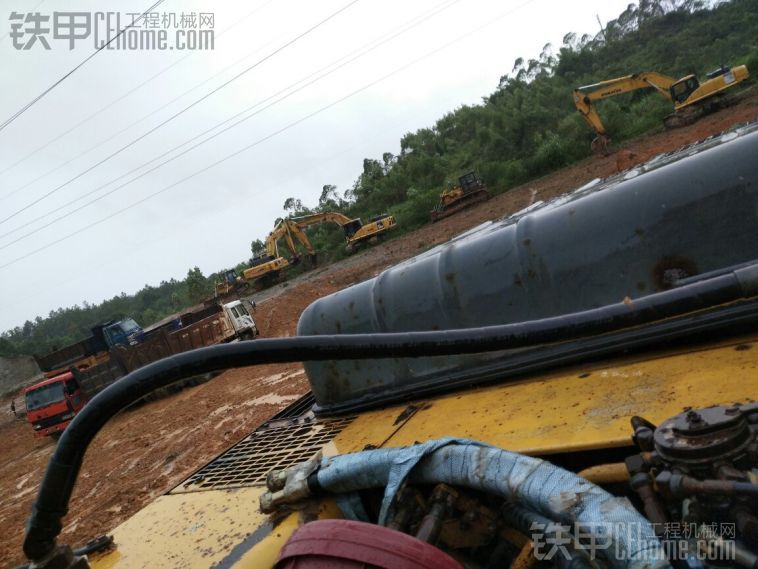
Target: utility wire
{"x":118,"y":100}
{"x":26,"y":107}
{"x":118,"y":133}
{"x":319,"y":74}
{"x":182,"y":111}
{"x":267,"y":137}
{"x":386,"y":127}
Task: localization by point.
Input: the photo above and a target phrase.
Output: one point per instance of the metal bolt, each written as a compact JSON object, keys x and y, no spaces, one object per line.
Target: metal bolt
{"x":694,"y":417}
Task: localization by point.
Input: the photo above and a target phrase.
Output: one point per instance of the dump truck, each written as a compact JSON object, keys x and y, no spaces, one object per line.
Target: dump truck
{"x":78,"y":372}
{"x":92,"y":350}
{"x":52,"y":403}
{"x":469,"y":190}
{"x":571,"y":386}
{"x":691,"y":98}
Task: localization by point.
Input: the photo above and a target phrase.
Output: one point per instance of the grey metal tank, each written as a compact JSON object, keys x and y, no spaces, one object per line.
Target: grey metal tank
{"x":679,"y":215}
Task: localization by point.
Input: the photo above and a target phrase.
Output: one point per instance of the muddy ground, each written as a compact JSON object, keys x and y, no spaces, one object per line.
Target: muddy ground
{"x":148,"y":450}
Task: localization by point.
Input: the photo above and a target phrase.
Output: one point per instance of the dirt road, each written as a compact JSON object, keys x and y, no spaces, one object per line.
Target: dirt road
{"x":146,"y":451}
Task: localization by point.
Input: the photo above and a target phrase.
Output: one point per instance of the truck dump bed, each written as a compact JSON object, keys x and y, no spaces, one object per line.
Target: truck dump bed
{"x":212,"y":328}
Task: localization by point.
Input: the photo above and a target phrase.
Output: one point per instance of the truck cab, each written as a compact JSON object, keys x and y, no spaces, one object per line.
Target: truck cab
{"x":239,"y":316}
{"x":53,"y":403}
{"x":124,"y":332}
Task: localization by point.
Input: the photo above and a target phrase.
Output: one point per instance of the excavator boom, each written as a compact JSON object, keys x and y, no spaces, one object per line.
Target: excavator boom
{"x":686,"y":94}
{"x":356,"y":232}
{"x":269,"y":266}
{"x":326,"y":217}
{"x":585,"y":96}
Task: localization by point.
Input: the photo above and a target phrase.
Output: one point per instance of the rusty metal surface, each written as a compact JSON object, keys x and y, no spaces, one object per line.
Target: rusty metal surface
{"x":579,"y":408}
{"x":625,"y":237}
{"x":197,"y":530}
{"x":94,"y":379}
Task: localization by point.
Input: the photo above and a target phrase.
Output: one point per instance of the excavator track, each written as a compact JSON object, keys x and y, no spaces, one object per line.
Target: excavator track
{"x":468,"y":200}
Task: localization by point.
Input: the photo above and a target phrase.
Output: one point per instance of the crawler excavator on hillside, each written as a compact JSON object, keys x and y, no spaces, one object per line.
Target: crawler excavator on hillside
{"x":356,"y":232}
{"x":266,"y":268}
{"x":691,"y":98}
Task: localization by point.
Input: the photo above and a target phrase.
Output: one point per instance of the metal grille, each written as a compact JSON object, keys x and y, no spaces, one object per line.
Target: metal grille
{"x":268,"y":448}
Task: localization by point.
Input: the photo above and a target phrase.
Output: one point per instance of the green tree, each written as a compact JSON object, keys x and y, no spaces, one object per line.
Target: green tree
{"x":257,"y":247}
{"x":197,"y":285}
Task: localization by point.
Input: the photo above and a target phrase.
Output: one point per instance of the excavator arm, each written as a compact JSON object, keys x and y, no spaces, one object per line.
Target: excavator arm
{"x":295,"y":232}
{"x":326,"y":217}
{"x":268,"y":266}
{"x":290,"y":231}
{"x":585,"y":96}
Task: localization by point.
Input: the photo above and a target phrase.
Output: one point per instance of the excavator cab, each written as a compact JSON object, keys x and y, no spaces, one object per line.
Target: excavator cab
{"x":259,"y":260}
{"x":682,"y":89}
{"x":718,"y":72}
{"x":352,"y":227}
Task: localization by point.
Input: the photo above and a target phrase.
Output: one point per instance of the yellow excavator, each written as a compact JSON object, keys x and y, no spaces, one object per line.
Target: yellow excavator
{"x":690,"y":97}
{"x":267,"y":267}
{"x":573,"y":387}
{"x":356,"y":232}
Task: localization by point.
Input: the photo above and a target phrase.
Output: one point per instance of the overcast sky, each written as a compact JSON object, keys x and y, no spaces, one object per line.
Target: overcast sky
{"x":210,"y":219}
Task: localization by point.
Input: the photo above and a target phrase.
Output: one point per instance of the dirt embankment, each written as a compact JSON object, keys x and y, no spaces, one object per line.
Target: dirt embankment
{"x":147,"y":450}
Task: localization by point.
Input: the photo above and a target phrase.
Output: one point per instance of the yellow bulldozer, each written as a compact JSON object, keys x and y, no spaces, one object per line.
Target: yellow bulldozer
{"x":229,"y":284}
{"x":690,"y":97}
{"x":573,"y":387}
{"x":469,"y":190}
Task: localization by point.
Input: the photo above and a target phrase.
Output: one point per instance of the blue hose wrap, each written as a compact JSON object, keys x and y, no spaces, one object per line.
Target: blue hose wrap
{"x":530,"y":482}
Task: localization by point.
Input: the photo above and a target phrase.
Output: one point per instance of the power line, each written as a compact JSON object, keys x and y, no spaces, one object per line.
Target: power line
{"x":119,"y":99}
{"x":118,"y":133}
{"x":265,"y":138}
{"x":182,"y":111}
{"x":26,"y":107}
{"x":386,"y":127}
{"x":319,"y":74}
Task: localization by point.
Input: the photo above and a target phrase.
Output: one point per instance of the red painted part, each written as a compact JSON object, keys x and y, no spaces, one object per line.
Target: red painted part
{"x":54,"y":412}
{"x":57,"y":428}
{"x":57,"y":379}
{"x":344,"y":544}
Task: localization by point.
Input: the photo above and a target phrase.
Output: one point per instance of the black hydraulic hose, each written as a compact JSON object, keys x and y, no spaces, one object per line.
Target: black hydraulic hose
{"x":62,"y":470}
{"x":97,"y":544}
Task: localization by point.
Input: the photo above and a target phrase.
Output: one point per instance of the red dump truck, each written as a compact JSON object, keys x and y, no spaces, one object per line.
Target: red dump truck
{"x":79,"y":371}
{"x":51,"y":404}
